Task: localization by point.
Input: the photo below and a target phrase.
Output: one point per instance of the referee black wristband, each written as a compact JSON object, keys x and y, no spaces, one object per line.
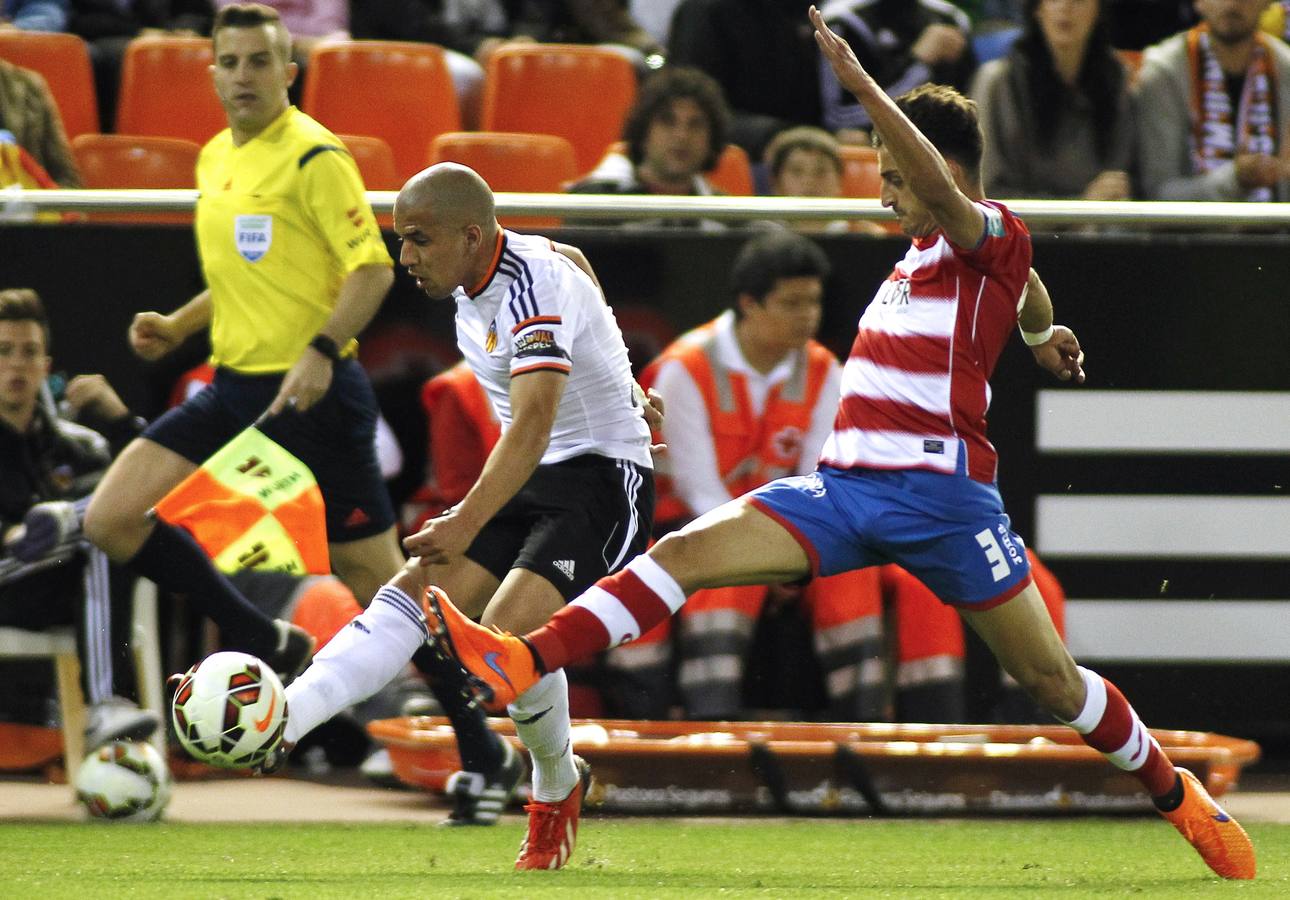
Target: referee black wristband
{"x":326,"y":346}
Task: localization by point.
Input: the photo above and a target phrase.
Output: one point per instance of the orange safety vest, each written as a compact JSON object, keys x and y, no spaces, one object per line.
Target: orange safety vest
{"x":751,"y":450}
{"x":463,"y":428}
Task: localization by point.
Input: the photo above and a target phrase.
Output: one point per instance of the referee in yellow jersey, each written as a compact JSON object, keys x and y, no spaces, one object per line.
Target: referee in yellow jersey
{"x":295,"y":267}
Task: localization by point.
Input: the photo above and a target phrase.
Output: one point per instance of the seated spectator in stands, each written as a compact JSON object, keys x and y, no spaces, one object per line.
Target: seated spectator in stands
{"x":1213,"y":103}
{"x":108,"y":26}
{"x":1055,"y":112}
{"x":902,"y":44}
{"x":674,"y":133}
{"x":48,"y":466}
{"x":806,"y":162}
{"x":29,"y":116}
{"x":34,"y":15}
{"x":761,"y":54}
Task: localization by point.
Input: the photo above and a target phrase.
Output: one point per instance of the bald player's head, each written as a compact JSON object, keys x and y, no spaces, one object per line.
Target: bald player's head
{"x":451,"y":193}
{"x":445,"y":217}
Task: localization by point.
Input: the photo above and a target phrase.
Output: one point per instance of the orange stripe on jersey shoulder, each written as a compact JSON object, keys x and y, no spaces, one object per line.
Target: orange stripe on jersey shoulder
{"x":536,"y":320}
{"x":492,"y":266}
{"x":544,"y":367}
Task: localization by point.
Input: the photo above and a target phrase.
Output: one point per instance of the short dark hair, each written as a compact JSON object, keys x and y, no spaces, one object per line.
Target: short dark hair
{"x":673,"y":83}
{"x":769,"y":257}
{"x":23,"y":305}
{"x":253,"y":15}
{"x":801,"y":137}
{"x":947,"y":119}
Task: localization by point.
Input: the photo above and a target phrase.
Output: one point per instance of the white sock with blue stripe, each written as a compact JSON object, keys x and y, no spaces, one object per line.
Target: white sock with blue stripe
{"x":362,"y":658}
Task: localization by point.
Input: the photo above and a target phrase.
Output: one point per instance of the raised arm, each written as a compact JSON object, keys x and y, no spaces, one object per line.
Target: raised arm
{"x":920,"y":165}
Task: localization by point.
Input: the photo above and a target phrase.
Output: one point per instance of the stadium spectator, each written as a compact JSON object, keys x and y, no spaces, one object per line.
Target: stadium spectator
{"x":908,"y":474}
{"x":1212,"y":104}
{"x":751,"y":397}
{"x":903,"y":43}
{"x":48,"y":465}
{"x":108,"y":26}
{"x":674,"y":133}
{"x":29,"y":115}
{"x":764,"y":60}
{"x":1055,"y":111}
{"x":564,"y":496}
{"x":295,"y":267}
{"x":806,"y":161}
{"x":34,"y":15}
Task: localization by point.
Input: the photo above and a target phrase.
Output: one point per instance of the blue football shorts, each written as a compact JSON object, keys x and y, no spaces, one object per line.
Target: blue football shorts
{"x":947,"y":530}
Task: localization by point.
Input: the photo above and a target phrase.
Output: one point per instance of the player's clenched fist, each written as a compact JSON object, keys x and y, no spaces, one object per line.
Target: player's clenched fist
{"x":153,"y":335}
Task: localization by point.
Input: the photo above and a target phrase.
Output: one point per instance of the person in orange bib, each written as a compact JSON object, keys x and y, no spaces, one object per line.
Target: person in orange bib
{"x":751,"y":397}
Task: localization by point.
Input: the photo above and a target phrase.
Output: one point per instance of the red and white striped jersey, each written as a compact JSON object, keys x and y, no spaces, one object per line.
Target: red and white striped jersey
{"x":915,"y":388}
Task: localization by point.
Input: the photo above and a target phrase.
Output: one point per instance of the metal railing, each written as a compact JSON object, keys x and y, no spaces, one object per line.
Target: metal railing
{"x":575,"y":207}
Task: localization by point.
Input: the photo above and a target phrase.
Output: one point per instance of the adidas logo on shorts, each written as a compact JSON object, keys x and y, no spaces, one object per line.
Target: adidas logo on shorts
{"x":565,"y":566}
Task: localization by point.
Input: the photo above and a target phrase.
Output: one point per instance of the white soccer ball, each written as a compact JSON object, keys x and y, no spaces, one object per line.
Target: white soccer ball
{"x":230,"y":710}
{"x":124,"y":781}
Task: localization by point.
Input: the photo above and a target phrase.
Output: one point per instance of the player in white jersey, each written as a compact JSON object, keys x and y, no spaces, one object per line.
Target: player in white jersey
{"x":907,"y":475}
{"x":565,"y":497}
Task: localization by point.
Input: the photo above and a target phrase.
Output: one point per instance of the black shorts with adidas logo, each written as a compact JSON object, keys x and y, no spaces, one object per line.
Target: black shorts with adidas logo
{"x":573,"y":522}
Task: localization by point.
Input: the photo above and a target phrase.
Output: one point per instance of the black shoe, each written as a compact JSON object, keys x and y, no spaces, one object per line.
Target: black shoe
{"x":295,"y":649}
{"x":479,"y":799}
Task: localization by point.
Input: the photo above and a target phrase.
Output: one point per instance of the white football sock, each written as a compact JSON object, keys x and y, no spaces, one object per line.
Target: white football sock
{"x":541,"y":716}
{"x":362,"y":658}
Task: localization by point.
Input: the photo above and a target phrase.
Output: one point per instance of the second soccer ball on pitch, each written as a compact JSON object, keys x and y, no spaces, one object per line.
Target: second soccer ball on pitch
{"x":229,"y":710}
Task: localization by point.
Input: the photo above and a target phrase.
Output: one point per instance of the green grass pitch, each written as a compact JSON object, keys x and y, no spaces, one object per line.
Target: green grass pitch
{"x":628,"y":858}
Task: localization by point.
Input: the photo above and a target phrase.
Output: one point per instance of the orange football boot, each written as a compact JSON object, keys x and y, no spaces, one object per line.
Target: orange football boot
{"x":501,"y":665}
{"x":1217,"y":837}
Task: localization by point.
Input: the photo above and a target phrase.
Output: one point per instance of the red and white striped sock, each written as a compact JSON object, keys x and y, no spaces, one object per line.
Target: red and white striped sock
{"x":1109,"y":725}
{"x":616,"y":609}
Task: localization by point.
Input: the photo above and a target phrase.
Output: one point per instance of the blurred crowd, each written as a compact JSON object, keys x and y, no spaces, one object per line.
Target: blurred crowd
{"x":1070,"y":92}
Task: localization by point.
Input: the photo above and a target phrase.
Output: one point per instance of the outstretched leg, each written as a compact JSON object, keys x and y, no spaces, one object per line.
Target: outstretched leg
{"x":1020,"y":632}
{"x":733,"y":544}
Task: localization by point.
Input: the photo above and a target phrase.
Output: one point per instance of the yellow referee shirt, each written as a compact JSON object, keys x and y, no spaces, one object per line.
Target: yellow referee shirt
{"x":280,"y":222}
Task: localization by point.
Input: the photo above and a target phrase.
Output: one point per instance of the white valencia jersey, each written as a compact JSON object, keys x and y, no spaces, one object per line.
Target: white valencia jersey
{"x":537,"y":311}
{"x":915,"y":388}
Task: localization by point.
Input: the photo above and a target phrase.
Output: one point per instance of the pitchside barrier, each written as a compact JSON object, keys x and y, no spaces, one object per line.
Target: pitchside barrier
{"x":798,"y":768}
{"x":1156,"y":492}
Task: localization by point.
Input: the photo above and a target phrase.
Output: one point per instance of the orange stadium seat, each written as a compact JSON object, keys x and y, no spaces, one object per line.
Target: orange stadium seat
{"x":136,"y":161}
{"x":375,"y":161}
{"x":166,"y":89}
{"x":578,"y":92}
{"x":1132,"y":60}
{"x":733,"y":174}
{"x":400,"y":92}
{"x":64,"y":62}
{"x":525,"y":163}
{"x":860,"y":176}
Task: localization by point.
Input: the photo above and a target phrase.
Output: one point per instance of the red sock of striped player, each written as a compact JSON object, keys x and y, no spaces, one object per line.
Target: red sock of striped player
{"x":616,"y":609}
{"x":1109,"y":725}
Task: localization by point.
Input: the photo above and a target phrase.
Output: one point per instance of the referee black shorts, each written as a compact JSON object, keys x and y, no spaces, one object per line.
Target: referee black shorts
{"x":573,"y":523}
{"x":335,"y":438}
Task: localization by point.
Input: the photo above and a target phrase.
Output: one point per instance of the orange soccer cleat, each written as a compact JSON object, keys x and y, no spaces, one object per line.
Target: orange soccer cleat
{"x":501,"y":665}
{"x":553,"y":827}
{"x":1217,"y":837}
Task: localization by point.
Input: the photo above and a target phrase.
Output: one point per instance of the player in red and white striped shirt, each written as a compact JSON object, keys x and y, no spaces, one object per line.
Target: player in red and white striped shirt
{"x":907,"y":475}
